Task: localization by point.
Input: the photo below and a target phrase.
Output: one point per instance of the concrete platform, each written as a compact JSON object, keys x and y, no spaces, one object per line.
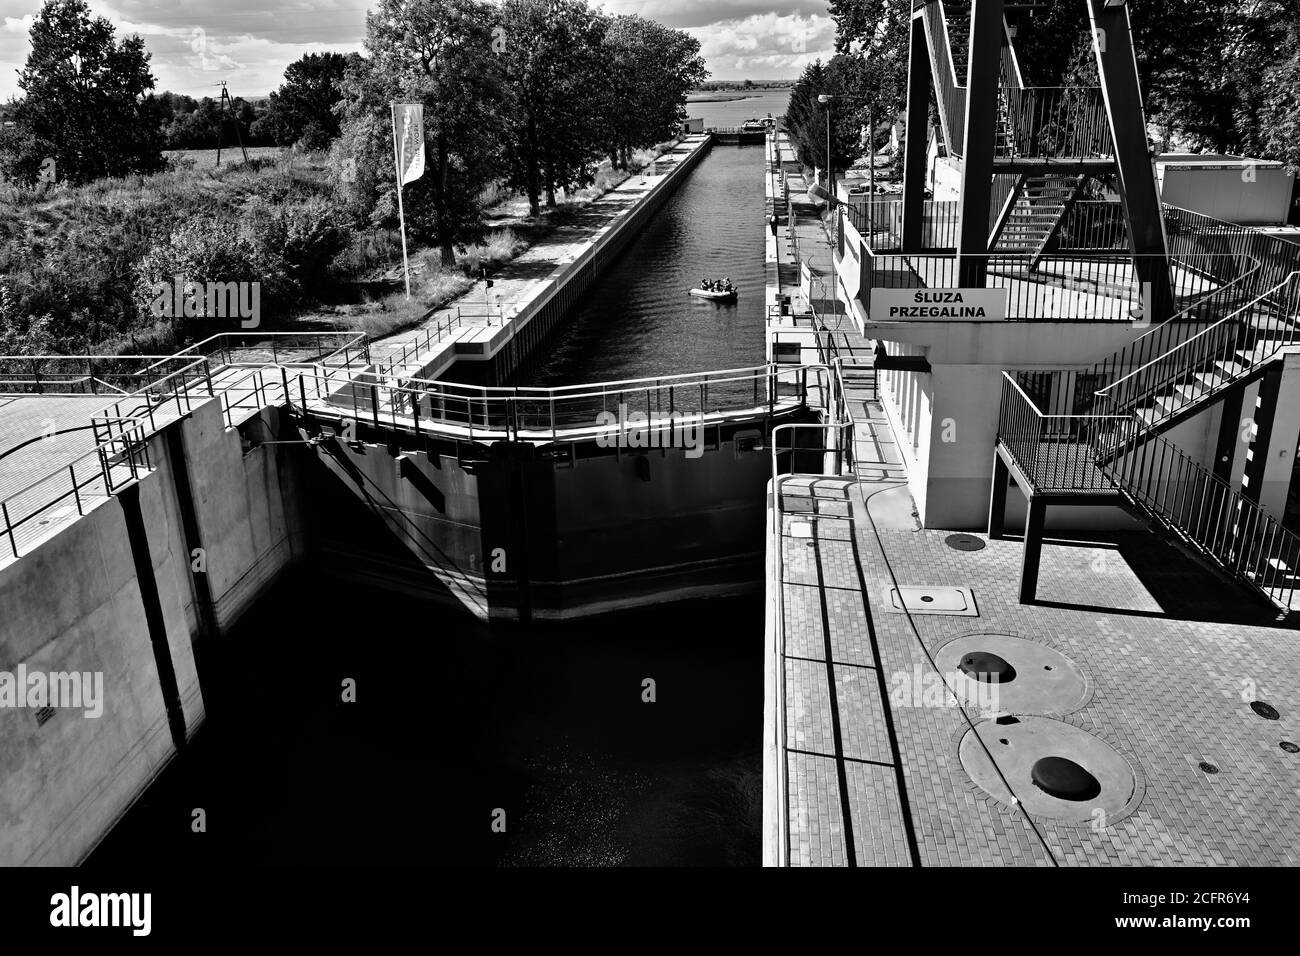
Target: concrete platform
{"x":870,"y":766}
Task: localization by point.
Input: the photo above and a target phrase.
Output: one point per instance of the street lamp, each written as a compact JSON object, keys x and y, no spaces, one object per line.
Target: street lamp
{"x":825,"y":100}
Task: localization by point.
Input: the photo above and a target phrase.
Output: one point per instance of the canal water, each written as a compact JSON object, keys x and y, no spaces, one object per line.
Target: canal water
{"x":637,"y":320}
{"x":455,"y":719}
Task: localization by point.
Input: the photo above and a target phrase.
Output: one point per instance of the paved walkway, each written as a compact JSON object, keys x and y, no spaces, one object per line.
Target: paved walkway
{"x":1171,"y":655}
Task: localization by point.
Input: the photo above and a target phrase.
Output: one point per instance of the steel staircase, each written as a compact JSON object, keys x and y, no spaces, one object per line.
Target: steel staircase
{"x":1033,"y":214}
{"x":1228,"y":354}
{"x":1113,"y":436}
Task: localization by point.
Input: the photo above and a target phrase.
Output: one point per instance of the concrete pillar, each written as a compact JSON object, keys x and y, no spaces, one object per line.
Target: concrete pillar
{"x":1229,"y":425}
{"x":1274,"y":462}
{"x":998,"y":497}
{"x":1035,"y":514}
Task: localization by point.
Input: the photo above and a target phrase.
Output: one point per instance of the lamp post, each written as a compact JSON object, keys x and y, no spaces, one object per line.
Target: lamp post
{"x":825,"y":100}
{"x":871,"y":155}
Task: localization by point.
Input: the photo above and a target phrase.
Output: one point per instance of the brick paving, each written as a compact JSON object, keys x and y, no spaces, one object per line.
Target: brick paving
{"x":1173,"y":654}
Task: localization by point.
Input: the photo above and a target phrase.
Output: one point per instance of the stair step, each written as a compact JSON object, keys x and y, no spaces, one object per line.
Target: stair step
{"x":1191,"y":391}
{"x":1230,"y":368}
{"x":1212,"y":379}
{"x":1261,"y":351}
{"x":1171,"y":403}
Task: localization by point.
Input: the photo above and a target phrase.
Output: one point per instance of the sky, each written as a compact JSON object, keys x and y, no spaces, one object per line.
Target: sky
{"x":195,"y":44}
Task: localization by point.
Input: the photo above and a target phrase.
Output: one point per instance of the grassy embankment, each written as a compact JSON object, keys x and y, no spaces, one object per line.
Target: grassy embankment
{"x":75,"y":263}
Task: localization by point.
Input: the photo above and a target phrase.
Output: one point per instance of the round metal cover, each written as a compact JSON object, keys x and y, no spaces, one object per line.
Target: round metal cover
{"x":964,"y":542}
{"x":1064,"y":779}
{"x":1267,"y":711}
{"x":1289,"y":747}
{"x":1208,"y":767}
{"x":1050,"y":769}
{"x":987,"y":667}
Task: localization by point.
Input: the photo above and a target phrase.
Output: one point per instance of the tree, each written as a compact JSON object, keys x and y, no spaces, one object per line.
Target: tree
{"x":85,"y":114}
{"x":439,"y":53}
{"x":549,"y":57}
{"x":805,"y":115}
{"x":303,"y":109}
{"x":651,"y":69}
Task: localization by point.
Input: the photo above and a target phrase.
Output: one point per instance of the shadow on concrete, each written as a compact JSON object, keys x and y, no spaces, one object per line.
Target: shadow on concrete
{"x":1183,"y":585}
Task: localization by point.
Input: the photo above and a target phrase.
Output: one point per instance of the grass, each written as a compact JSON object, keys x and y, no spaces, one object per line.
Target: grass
{"x":67,"y":255}
{"x":435,"y":286}
{"x":204,"y":159}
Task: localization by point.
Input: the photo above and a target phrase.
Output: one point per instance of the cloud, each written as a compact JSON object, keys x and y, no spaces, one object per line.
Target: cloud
{"x":195,"y":44}
{"x":765,"y":46}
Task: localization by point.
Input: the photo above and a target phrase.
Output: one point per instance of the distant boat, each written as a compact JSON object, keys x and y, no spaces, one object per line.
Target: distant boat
{"x":753,"y":126}
{"x":717,"y":295}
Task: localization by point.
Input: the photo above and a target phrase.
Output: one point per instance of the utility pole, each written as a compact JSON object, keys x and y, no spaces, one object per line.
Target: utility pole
{"x":221,"y":113}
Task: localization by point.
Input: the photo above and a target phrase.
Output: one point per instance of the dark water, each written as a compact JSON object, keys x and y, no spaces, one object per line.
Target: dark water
{"x":637,"y":321}
{"x":454,"y":719}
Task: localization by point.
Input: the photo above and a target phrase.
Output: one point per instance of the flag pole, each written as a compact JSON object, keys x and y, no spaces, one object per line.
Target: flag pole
{"x":401,"y":213}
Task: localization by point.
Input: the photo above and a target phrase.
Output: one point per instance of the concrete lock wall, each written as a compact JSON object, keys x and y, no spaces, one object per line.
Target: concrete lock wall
{"x":76,"y":602}
{"x":515,"y":531}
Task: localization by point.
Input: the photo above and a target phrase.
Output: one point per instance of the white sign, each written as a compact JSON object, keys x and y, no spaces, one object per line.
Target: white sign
{"x":938,"y":305}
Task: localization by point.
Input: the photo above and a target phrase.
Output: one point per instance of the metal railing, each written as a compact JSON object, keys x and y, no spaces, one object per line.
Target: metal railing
{"x":260,"y":387}
{"x":1066,"y":453}
{"x":1057,"y":453}
{"x":1205,"y":511}
{"x":78,"y":374}
{"x":490,"y":413}
{"x":281,"y":348}
{"x":836,"y":457}
{"x":121,"y":430}
{"x":1188,"y":373}
{"x":1056,"y":122}
{"x":28,"y":512}
{"x":949,"y":91}
{"x":428,"y":336}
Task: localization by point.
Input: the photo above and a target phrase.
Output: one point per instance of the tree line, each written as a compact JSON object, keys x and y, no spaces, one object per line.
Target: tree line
{"x":532,"y":93}
{"x":528,"y":94}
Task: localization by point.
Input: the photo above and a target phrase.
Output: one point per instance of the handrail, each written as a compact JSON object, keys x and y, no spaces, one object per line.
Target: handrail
{"x":1200,"y":506}
{"x":1189,"y":343}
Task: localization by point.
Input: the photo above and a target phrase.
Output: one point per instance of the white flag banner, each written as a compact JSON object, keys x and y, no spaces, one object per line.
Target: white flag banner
{"x":408,"y":140}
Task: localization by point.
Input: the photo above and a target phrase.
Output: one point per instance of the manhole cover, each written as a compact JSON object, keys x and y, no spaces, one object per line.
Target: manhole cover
{"x":1267,"y":711}
{"x":931,"y":600}
{"x":1290,"y":747}
{"x":1208,"y":767}
{"x":964,"y":542}
{"x":1037,"y":679}
{"x":1054,"y":770}
{"x":1064,"y":779}
{"x":986,"y":667}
